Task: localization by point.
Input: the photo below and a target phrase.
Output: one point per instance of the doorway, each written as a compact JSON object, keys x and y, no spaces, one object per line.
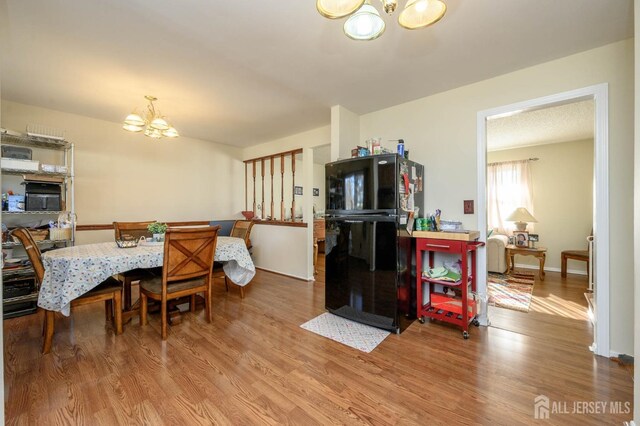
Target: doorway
{"x":540,"y":165}
{"x":599,"y":95}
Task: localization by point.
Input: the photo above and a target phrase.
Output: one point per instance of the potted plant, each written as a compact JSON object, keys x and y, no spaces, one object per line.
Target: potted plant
{"x":157,"y":229}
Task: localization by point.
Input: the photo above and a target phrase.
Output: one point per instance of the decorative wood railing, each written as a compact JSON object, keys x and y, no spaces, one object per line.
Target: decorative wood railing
{"x":270,"y":160}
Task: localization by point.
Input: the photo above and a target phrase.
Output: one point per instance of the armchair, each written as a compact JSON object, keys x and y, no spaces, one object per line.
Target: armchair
{"x":496,"y":253}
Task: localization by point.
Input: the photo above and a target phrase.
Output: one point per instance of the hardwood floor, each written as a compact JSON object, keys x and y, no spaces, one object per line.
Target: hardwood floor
{"x":255,"y":365}
{"x":558,"y":312}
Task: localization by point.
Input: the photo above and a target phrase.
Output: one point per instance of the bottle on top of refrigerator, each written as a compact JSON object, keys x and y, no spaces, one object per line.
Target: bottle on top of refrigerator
{"x":401,"y":147}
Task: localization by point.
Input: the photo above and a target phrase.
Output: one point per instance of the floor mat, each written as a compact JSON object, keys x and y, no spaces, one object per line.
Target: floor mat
{"x":512,"y":291}
{"x":358,"y":336}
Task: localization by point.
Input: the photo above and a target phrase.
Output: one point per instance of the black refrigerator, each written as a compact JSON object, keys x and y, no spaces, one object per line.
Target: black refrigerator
{"x":369,"y":255}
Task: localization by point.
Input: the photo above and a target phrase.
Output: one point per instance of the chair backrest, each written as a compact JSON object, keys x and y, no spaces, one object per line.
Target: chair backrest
{"x":133,"y":229}
{"x":32,"y":250}
{"x":189,"y":252}
{"x":242,"y":229}
{"x":225,"y":226}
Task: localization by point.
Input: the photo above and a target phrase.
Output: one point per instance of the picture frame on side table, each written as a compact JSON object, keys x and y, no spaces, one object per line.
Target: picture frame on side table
{"x":521,"y":238}
{"x":533,"y":239}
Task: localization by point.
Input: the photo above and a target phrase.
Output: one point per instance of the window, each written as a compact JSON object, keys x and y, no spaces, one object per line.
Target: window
{"x":508,"y":187}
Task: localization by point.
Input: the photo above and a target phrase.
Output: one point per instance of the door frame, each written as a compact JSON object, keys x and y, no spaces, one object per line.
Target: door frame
{"x":600,"y":95}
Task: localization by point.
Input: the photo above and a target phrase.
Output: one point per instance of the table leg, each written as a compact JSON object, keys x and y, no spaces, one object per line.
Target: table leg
{"x":542,"y":260}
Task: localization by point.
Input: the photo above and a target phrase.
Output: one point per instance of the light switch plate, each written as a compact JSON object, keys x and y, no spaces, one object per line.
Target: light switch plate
{"x":468,"y":206}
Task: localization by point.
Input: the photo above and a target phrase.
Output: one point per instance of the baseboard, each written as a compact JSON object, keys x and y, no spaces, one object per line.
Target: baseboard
{"x":286,"y":275}
{"x":550,"y":269}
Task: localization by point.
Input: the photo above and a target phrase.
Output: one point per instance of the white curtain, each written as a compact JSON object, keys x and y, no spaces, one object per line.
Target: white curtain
{"x":508,"y":187}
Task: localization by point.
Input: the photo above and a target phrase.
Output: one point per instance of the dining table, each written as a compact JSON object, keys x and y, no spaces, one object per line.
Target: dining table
{"x":72,"y":271}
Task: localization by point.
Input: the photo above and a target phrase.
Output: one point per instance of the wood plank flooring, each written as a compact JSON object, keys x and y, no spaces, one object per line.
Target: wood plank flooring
{"x":255,"y":365}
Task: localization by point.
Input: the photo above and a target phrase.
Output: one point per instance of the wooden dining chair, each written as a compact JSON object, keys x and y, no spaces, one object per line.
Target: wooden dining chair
{"x":132,"y":230}
{"x":241,"y":229}
{"x":187,"y":270}
{"x":109,"y":291}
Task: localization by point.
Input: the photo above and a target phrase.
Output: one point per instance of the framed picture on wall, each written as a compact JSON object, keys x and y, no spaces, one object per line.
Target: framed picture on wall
{"x":521,"y":238}
{"x":297,"y":190}
{"x":316,"y":192}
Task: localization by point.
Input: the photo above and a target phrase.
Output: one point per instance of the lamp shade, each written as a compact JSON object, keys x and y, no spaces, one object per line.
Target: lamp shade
{"x":335,"y":9}
{"x":521,"y":214}
{"x":365,"y":24}
{"x":421,"y":13}
{"x":521,"y":217}
{"x":170,"y":133}
{"x":134,"y":120}
{"x":159,"y":124}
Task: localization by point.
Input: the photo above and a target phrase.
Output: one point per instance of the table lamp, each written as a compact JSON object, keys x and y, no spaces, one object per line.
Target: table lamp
{"x":521,"y":217}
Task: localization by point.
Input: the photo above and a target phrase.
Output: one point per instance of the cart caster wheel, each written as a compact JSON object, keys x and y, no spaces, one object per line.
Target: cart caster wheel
{"x":465,"y":335}
{"x":421,"y":320}
{"x":476,"y":323}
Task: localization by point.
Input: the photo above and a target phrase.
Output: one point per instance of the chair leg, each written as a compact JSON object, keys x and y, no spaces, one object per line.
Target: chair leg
{"x":143,"y":309}
{"x":207,"y":304}
{"x":117,"y":307}
{"x":563,"y":266}
{"x":192,"y":303}
{"x":163,"y":316}
{"x":127,"y":293}
{"x":226,"y":283}
{"x":108,"y":310}
{"x":241,"y":292}
{"x":48,"y":335}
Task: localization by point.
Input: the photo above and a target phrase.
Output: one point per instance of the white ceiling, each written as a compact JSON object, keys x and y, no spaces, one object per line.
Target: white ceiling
{"x":243,"y":72}
{"x":564,"y":123}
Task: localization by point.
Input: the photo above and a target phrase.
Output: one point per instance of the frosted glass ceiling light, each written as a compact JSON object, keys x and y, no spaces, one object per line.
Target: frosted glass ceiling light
{"x":365,"y":24}
{"x":335,"y":9}
{"x":170,"y":133}
{"x":153,"y":123}
{"x":421,"y":13}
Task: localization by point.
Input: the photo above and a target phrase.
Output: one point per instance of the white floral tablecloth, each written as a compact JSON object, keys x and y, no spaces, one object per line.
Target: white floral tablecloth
{"x":72,"y":271}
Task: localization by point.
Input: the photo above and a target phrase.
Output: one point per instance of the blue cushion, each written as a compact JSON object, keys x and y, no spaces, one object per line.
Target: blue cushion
{"x":225,"y":226}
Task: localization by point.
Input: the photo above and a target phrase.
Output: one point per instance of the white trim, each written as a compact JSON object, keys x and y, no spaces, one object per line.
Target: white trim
{"x":284,"y":274}
{"x":599,"y":93}
{"x":550,"y":269}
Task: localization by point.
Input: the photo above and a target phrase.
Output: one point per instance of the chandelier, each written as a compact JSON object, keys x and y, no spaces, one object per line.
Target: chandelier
{"x":365,"y":23}
{"x":152,"y":123}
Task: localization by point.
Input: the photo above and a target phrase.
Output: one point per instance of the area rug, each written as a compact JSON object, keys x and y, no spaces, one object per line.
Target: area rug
{"x":512,"y":291}
{"x":358,"y":336}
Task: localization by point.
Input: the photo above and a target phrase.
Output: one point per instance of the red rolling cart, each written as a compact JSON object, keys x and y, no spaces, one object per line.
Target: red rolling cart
{"x":440,"y":305}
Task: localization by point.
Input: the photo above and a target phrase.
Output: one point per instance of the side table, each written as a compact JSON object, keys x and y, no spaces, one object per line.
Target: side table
{"x":538,"y":252}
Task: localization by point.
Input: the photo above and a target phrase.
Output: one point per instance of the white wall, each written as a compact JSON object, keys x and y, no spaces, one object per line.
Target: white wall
{"x":562,"y":181}
{"x":319,"y":182}
{"x":345,"y":132}
{"x":127,"y":176}
{"x":440,"y":132}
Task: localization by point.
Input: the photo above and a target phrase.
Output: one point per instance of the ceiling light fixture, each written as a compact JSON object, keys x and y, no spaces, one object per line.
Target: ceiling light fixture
{"x":365,"y":23}
{"x":153,"y":124}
